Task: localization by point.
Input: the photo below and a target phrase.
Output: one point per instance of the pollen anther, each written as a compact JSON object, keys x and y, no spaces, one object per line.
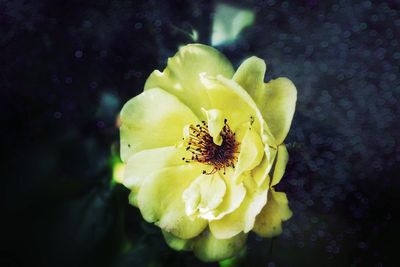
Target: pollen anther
{"x":200,"y":143}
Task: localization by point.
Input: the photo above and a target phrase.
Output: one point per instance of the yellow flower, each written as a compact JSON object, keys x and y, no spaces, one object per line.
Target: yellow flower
{"x":203,"y":148}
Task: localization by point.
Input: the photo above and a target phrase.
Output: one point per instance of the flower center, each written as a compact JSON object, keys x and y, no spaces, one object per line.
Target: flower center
{"x":204,"y":150}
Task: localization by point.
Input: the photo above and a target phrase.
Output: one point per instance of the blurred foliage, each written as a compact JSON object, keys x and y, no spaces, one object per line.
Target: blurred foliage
{"x":228,"y":22}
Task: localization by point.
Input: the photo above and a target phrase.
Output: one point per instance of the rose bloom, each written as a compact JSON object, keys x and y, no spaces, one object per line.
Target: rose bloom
{"x":204,"y":147}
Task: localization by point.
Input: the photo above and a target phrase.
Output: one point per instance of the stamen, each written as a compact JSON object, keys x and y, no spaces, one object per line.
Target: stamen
{"x":204,"y":150}
{"x":251,"y":122}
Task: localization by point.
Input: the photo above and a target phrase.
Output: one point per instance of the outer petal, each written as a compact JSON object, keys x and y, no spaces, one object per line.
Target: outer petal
{"x":208,"y":248}
{"x":132,"y":198}
{"x":277,"y":105}
{"x":181,"y":77}
{"x":233,"y":101}
{"x":280,"y":165}
{"x":251,"y":152}
{"x":250,"y":75}
{"x":160,"y":200}
{"x":145,"y":162}
{"x":269,"y":221}
{"x":152,"y":119}
{"x":276,"y":99}
{"x":177,"y":243}
{"x":243,"y":218}
{"x":260,"y":173}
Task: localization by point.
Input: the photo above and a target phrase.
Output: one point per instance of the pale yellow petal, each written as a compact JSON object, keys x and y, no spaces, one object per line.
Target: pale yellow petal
{"x":160,"y":200}
{"x":204,"y":194}
{"x":177,"y":243}
{"x":234,"y":195}
{"x":181,"y":77}
{"x":277,"y":104}
{"x":212,"y":190}
{"x":280,"y":165}
{"x":146,"y":162}
{"x":251,"y":152}
{"x":208,"y":248}
{"x":215,"y":121}
{"x":152,"y":119}
{"x":269,"y":221}
{"x":250,"y":76}
{"x":233,"y":101}
{"x":132,"y":198}
{"x":242,"y":219}
{"x":192,"y":197}
{"x":276,"y":99}
{"x":260,"y":173}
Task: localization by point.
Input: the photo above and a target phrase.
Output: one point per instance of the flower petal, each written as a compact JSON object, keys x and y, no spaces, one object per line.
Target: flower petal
{"x":250,"y":76}
{"x":242,"y":219}
{"x":269,"y":221}
{"x":277,"y":104}
{"x":234,"y":195}
{"x":251,"y":152}
{"x":132,"y":198}
{"x":212,"y":190}
{"x":275,"y":99}
{"x":160,"y":200}
{"x":215,"y":123}
{"x":177,"y":243}
{"x":208,"y":248}
{"x":280,"y":165}
{"x":204,"y":194}
{"x":145,"y":162}
{"x":233,"y":101}
{"x":181,"y":77}
{"x":260,"y":173}
{"x":152,"y":119}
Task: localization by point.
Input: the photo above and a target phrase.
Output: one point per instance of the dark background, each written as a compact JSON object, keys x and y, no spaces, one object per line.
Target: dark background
{"x":67,"y":67}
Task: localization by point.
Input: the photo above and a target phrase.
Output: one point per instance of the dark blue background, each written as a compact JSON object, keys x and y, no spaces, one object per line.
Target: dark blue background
{"x":67,"y":67}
